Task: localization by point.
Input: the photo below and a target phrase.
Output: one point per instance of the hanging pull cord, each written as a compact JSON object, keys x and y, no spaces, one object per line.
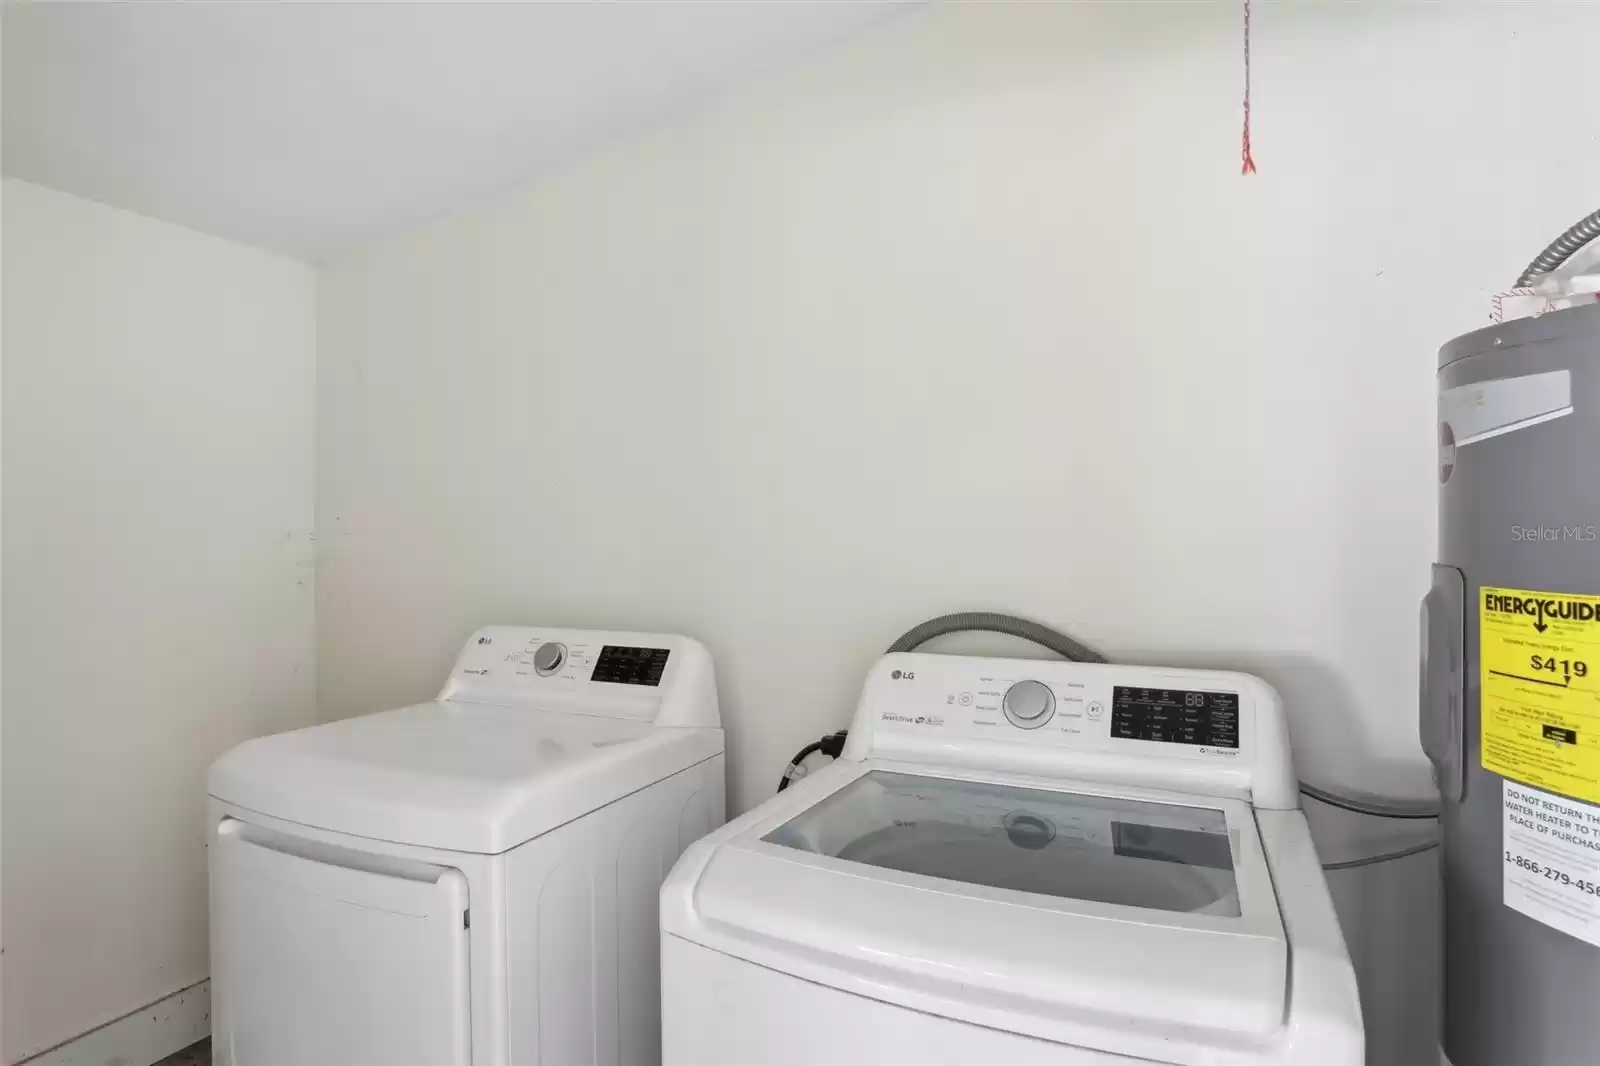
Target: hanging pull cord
{"x":1248,"y":161}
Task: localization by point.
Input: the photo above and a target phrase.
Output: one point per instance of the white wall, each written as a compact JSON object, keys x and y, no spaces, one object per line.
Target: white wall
{"x":2,"y":654}
{"x":973,"y":312}
{"x":158,"y":439}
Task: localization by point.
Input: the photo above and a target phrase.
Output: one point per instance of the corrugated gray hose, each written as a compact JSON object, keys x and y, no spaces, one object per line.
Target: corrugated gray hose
{"x":989,"y":622}
{"x":1561,"y":249}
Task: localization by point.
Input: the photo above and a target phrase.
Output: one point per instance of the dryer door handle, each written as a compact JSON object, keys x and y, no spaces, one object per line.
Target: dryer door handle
{"x":345,"y":872}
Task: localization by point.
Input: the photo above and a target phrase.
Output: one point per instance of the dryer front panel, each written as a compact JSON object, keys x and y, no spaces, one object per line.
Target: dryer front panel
{"x":328,"y":955}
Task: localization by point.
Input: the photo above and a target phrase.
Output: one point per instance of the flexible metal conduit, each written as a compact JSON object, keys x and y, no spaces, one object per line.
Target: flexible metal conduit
{"x":1561,"y":249}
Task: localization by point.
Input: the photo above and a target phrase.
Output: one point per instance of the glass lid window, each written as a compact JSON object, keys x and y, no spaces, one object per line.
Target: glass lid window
{"x":1121,"y":851}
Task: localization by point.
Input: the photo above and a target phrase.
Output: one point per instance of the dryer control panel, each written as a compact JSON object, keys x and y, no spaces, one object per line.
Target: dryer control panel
{"x":656,"y":677}
{"x":1079,"y":719}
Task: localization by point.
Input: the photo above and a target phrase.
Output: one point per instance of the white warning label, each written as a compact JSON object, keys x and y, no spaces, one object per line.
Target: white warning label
{"x":1551,"y":867}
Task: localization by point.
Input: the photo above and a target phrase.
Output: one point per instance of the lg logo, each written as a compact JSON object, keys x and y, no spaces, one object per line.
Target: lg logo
{"x":904,"y":675}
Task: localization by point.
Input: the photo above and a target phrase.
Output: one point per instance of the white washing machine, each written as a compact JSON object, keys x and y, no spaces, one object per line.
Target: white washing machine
{"x":1019,"y":862}
{"x":472,"y":880}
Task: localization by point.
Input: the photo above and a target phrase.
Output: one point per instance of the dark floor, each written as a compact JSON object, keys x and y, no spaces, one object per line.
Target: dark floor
{"x":193,"y":1055}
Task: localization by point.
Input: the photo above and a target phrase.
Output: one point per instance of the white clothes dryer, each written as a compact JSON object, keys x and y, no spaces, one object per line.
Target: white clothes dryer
{"x":472,"y":880}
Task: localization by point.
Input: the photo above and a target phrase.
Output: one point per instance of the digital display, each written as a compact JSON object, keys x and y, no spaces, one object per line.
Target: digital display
{"x":1175,"y":716}
{"x":1186,"y":847}
{"x":630,"y":666}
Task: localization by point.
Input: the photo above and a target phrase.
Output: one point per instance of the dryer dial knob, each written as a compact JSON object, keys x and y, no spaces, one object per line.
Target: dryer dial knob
{"x":1029,"y":704}
{"x":549,"y":658}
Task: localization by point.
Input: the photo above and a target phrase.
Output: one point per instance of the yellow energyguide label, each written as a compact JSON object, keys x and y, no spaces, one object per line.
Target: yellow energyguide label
{"x":1540,"y":707}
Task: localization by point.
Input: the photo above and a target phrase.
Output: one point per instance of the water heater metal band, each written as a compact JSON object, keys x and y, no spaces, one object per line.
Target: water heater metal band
{"x":1510,"y":690}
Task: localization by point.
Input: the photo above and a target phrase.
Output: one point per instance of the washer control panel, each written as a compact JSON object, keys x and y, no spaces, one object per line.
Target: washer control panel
{"x":1087,"y":705}
{"x":1205,"y":731}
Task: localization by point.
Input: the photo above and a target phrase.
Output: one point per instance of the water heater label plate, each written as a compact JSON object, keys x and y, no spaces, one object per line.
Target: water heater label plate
{"x":1551,"y":865}
{"x":1540,"y":687}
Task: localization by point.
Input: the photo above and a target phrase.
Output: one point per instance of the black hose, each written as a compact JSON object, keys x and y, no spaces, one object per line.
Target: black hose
{"x":794,"y":763}
{"x":830,"y":745}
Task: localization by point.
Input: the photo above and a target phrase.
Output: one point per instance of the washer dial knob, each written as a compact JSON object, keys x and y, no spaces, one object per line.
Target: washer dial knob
{"x":1029,"y":704}
{"x":549,"y":658}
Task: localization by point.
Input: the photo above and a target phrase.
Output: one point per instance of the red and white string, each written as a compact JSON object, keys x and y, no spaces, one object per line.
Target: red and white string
{"x":1247,"y":160}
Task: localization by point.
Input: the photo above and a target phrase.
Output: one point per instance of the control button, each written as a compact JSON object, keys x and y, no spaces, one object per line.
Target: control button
{"x":965,"y":700}
{"x":1096,"y":709}
{"x":549,"y":658}
{"x":1029,"y":704}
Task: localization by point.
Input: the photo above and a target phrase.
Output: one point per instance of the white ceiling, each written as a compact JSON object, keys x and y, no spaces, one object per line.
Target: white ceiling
{"x":310,"y":128}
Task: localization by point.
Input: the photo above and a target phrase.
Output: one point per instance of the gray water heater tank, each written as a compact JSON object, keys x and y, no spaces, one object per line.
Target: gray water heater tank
{"x":1510,"y":713}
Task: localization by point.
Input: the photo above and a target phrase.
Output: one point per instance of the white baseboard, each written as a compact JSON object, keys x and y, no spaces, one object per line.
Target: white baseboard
{"x":142,"y":1038}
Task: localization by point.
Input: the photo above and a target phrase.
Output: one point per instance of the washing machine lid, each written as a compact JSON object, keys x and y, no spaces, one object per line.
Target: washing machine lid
{"x":1022,"y":904}
{"x":457,"y":776}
